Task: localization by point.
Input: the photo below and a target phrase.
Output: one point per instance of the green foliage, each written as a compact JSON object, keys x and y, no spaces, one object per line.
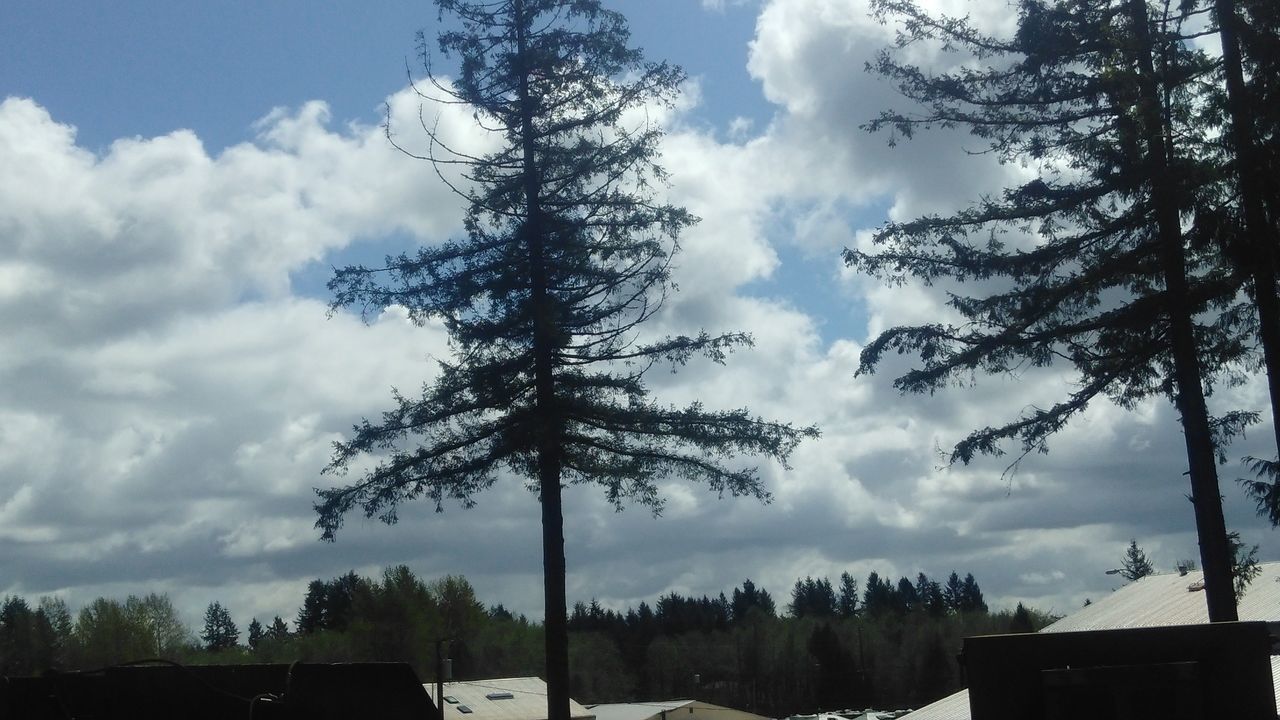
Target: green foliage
{"x":1071,"y":255}
{"x":17,"y":636}
{"x":1110,"y":260}
{"x":1022,"y":622}
{"x":1135,"y":564}
{"x":164,"y":631}
{"x":878,"y":596}
{"x":1264,"y":487}
{"x":812,"y":598}
{"x":750,"y":601}
{"x":598,"y":672}
{"x":690,"y":647}
{"x":568,"y":252}
{"x":847,"y":604}
{"x":1244,"y":563}
{"x":106,"y":633}
{"x":256,"y":634}
{"x":220,"y":632}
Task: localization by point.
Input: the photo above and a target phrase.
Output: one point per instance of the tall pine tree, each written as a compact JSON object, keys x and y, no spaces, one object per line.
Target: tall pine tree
{"x":568,"y":252}
{"x":1087,"y":263}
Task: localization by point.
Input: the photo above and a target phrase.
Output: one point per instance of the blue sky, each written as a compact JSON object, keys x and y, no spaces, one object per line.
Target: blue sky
{"x":170,"y":383}
{"x":145,"y":68}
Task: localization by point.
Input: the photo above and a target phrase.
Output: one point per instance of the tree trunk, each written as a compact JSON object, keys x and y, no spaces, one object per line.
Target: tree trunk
{"x":555,"y":623}
{"x":553,"y":579}
{"x":1215,"y":556}
{"x":1262,"y":246}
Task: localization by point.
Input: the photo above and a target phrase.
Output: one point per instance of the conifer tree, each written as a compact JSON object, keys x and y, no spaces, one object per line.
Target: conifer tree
{"x":278,"y":630}
{"x":1087,"y":263}
{"x":220,"y":632}
{"x":256,"y":633}
{"x":568,"y":252}
{"x":848,"y":601}
{"x":1135,"y":565}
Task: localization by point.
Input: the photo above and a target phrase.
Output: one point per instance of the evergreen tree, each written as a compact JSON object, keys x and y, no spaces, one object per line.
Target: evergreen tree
{"x":17,"y":636}
{"x":278,"y":630}
{"x":568,"y":253}
{"x":1244,"y":564}
{"x":878,"y":595}
{"x":930,"y":594}
{"x":812,"y":598}
{"x":256,"y":633}
{"x":220,"y":632}
{"x":953,"y":593}
{"x":905,"y":596}
{"x":1135,"y":564}
{"x":750,"y":600}
{"x":1256,"y":254}
{"x":339,"y":599}
{"x":1088,"y":262}
{"x":848,"y":601}
{"x":1021,"y":621}
{"x":971,"y":596}
{"x":311,"y":614}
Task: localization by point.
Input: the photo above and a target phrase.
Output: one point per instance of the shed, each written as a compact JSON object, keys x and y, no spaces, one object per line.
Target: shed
{"x":1153,"y":601}
{"x":523,"y":698}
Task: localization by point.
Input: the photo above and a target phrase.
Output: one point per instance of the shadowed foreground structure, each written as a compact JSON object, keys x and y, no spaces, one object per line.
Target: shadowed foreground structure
{"x":1154,"y":601}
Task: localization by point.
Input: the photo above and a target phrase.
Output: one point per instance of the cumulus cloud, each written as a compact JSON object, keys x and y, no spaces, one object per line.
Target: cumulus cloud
{"x":168,"y":397}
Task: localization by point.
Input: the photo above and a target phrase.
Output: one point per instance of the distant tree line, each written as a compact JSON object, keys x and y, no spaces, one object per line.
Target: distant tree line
{"x":888,"y":644}
{"x":832,"y":646}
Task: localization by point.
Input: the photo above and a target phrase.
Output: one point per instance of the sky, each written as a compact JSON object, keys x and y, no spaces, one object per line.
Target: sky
{"x":177,"y":180}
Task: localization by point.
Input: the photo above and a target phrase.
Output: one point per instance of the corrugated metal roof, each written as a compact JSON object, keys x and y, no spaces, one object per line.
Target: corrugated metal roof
{"x":951,"y":707}
{"x":635,"y":711}
{"x":676,"y":710}
{"x":528,"y":700}
{"x":1153,"y":601}
{"x":1159,"y":600}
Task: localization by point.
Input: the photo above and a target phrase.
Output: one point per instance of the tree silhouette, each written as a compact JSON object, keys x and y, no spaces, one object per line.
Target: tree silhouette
{"x":256,"y":633}
{"x":568,"y":252}
{"x":813,"y":598}
{"x":1088,"y":262}
{"x":847,"y":603}
{"x":220,"y":633}
{"x":750,"y":600}
{"x":278,"y":630}
{"x":1135,"y":564}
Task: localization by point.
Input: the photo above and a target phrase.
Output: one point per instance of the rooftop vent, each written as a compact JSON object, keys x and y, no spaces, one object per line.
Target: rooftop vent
{"x":500,"y":696}
{"x":464,"y":710}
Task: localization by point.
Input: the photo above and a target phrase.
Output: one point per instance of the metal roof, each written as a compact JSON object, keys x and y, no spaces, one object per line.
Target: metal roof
{"x":488,"y":700}
{"x":675,"y":709}
{"x":1153,"y":601}
{"x":1159,"y":600}
{"x":636,"y":711}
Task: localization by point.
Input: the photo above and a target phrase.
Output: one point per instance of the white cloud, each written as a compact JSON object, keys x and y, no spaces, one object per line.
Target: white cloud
{"x":167,"y":400}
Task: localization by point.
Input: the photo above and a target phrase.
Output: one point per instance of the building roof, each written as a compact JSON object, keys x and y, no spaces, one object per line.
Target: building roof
{"x":1153,"y":601}
{"x":523,"y":698}
{"x":674,"y":710}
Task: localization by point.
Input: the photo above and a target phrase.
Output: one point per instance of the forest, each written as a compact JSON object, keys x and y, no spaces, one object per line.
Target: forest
{"x":848,"y":644}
